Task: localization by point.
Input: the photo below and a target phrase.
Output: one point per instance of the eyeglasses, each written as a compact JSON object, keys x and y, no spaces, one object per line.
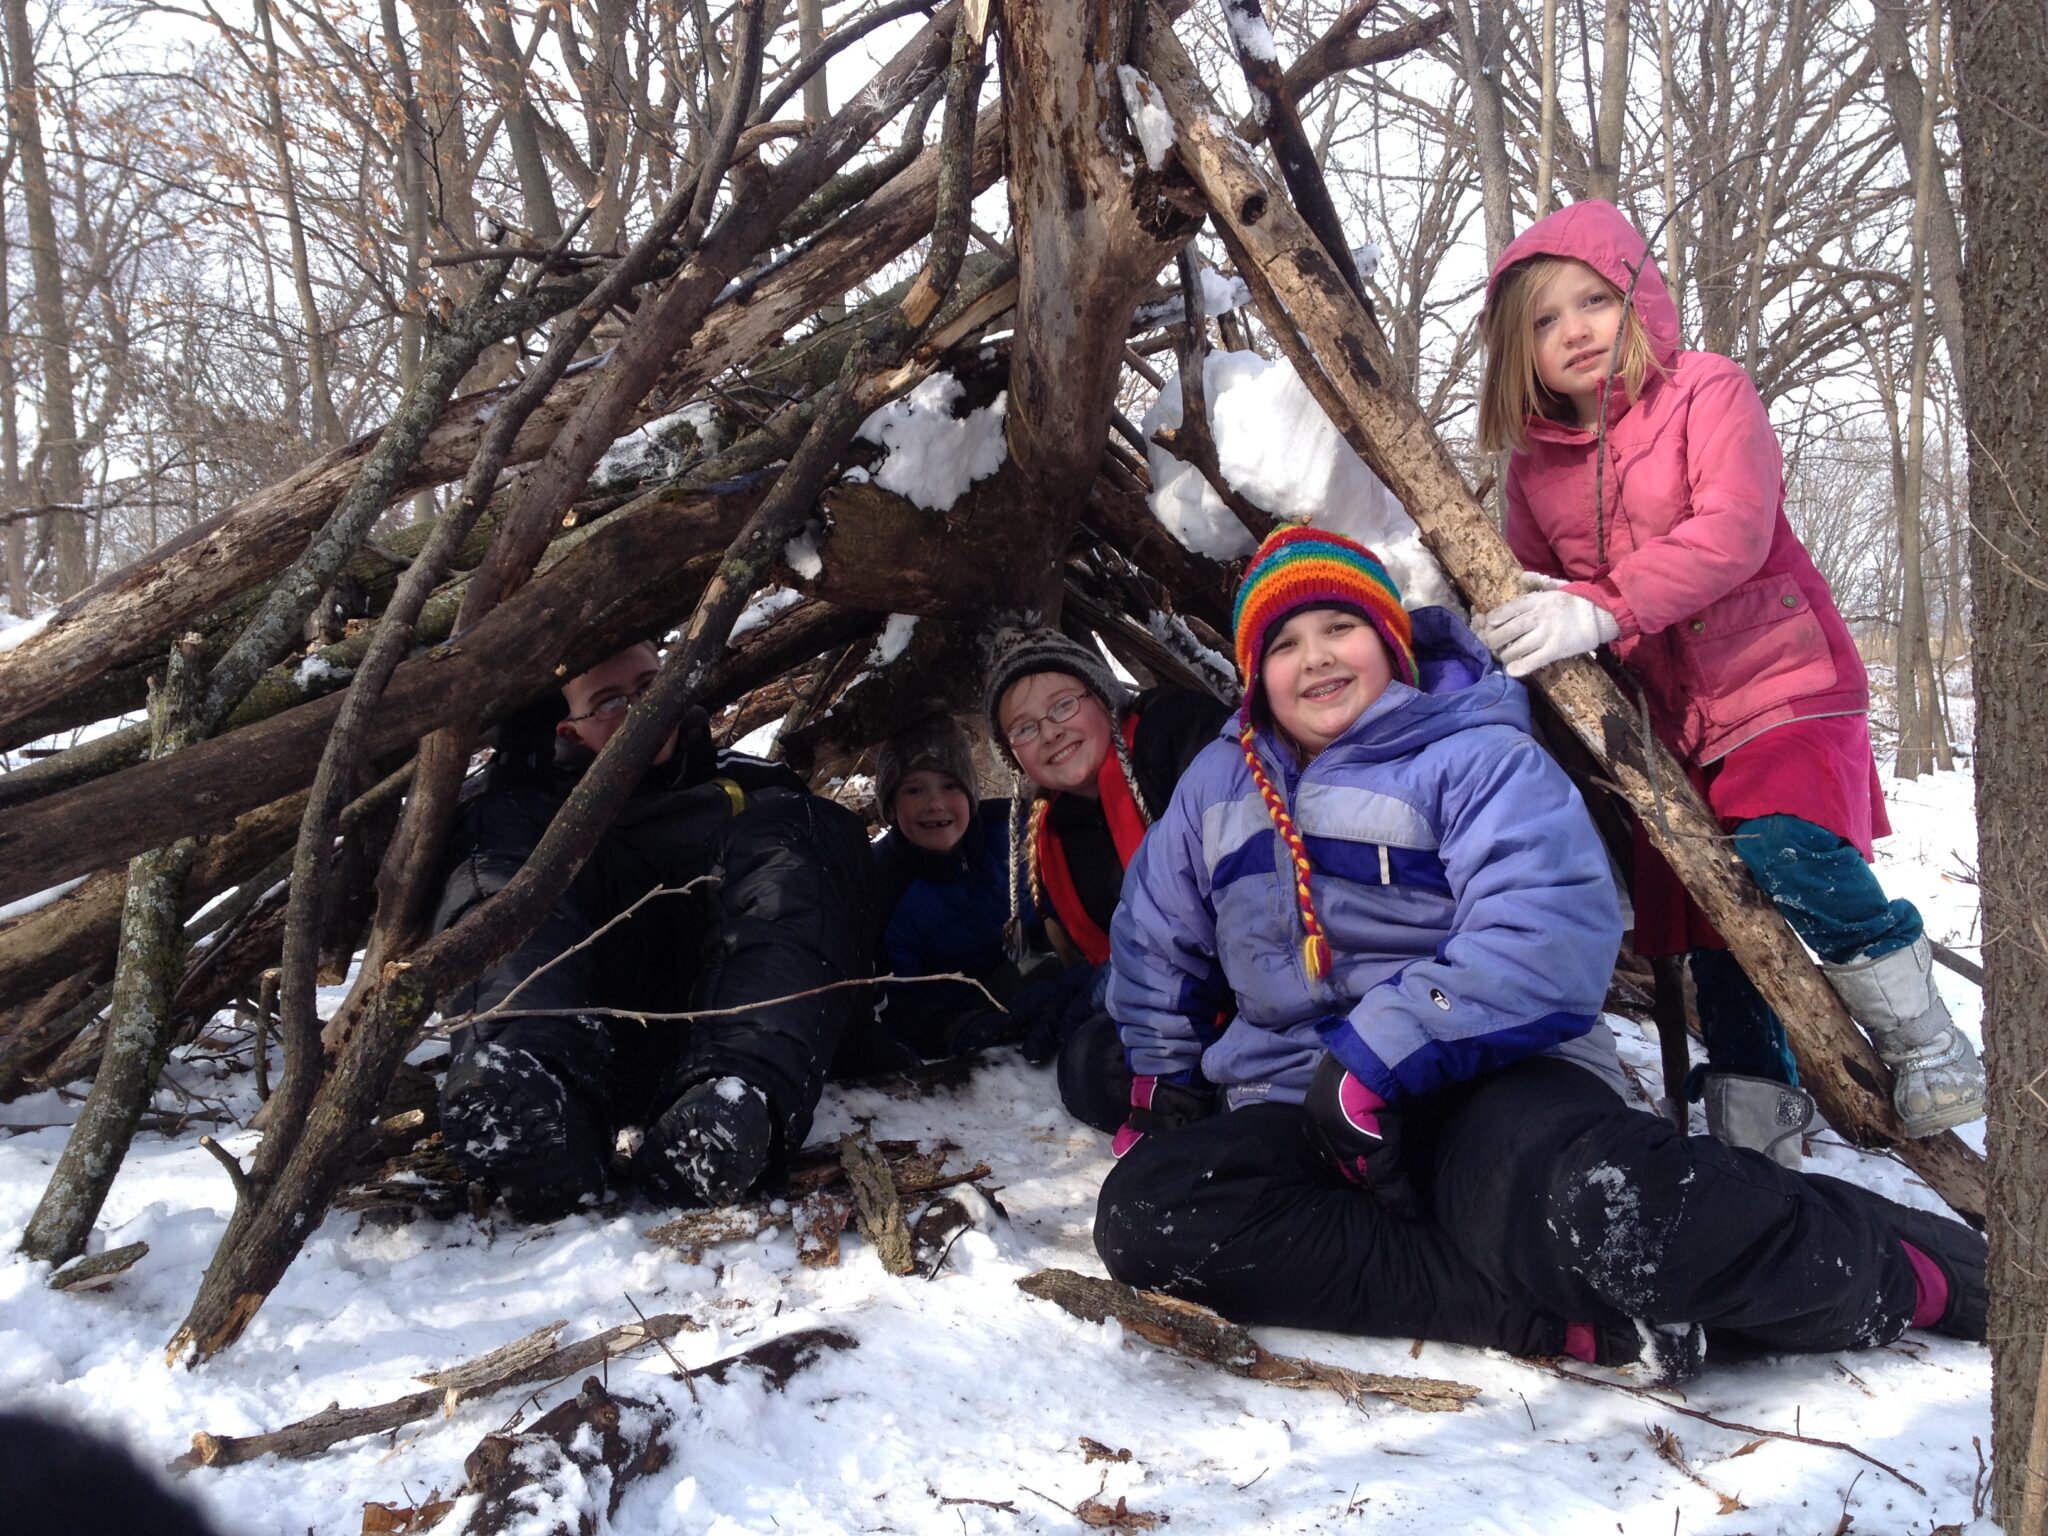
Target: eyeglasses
{"x":1063,"y":709}
{"x":613,"y":707}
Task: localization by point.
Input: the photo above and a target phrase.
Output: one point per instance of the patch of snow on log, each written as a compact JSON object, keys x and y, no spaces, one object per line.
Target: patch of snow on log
{"x":16,"y":631}
{"x":1149,"y":117}
{"x":763,"y":607}
{"x":1278,"y":448}
{"x":1249,"y":34}
{"x":934,"y":453}
{"x":1221,"y":295}
{"x":894,"y":638}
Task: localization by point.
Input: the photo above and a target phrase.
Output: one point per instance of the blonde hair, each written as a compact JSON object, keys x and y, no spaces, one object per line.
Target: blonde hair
{"x":1509,"y":390}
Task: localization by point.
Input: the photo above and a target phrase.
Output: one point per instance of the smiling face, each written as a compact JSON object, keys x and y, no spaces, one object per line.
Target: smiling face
{"x":597,"y":699}
{"x":1064,"y":755}
{"x":1321,"y":670}
{"x":931,"y":809}
{"x":1574,"y":318}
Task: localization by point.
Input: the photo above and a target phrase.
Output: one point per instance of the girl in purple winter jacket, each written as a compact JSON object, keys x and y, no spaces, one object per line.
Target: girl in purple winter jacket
{"x":1646,"y":497}
{"x":1396,"y":904}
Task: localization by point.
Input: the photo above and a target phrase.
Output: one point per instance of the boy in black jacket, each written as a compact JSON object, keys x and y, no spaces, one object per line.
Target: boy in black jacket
{"x":765,"y":892}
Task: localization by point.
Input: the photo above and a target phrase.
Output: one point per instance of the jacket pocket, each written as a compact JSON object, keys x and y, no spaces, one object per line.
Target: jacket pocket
{"x":1759,"y":647}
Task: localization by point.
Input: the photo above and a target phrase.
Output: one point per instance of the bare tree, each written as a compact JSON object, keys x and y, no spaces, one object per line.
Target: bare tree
{"x":2002,"y":91}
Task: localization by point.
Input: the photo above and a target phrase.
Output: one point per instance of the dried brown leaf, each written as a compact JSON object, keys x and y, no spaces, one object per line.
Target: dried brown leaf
{"x":1121,"y":1517}
{"x":1095,"y":1450}
{"x":403,"y":1519}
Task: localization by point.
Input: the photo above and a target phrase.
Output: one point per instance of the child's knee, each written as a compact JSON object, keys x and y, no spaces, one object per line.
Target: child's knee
{"x":1135,"y":1226}
{"x":1615,"y":1199}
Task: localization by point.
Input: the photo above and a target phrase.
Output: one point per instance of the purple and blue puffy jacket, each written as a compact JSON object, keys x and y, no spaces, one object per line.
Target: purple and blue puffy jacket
{"x":1471,"y":914}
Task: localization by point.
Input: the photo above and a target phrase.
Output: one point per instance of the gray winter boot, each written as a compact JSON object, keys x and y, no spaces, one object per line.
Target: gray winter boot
{"x":1760,"y":1114}
{"x":1937,"y":1080}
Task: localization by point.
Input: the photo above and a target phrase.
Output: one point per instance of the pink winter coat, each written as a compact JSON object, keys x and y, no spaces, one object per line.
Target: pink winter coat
{"x":1723,"y":616}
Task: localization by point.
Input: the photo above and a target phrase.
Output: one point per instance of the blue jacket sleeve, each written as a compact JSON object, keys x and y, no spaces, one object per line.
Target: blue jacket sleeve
{"x":1531,"y":947}
{"x":1165,"y":981}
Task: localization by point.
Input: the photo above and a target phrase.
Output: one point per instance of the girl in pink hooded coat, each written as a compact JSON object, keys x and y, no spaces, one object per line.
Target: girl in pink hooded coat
{"x":1646,"y":498}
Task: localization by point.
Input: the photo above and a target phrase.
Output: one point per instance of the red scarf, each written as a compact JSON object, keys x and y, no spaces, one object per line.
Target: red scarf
{"x":1126,"y":828}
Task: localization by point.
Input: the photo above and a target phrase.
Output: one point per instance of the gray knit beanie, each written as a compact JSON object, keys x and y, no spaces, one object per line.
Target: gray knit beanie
{"x":935,"y":742}
{"x":1015,"y":653}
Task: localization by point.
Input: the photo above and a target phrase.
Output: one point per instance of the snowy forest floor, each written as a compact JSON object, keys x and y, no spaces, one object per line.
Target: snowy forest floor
{"x":962,"y":1387}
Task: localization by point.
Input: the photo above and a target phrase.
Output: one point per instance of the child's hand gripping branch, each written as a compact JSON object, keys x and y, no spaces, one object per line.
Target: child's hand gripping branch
{"x":1537,"y":628}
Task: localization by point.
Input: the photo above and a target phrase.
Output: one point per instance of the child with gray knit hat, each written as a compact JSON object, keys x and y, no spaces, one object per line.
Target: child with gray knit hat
{"x":944,"y":864}
{"x":1102,"y":765}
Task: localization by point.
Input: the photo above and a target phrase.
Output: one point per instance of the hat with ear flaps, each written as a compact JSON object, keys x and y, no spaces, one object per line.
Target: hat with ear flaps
{"x":1295,"y":569}
{"x":1019,"y":653}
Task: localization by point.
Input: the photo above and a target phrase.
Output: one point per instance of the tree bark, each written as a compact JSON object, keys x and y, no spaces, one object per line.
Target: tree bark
{"x":1923,"y":745}
{"x":1909,"y":102}
{"x":326,"y":432}
{"x":1089,"y":242}
{"x":66,"y":478}
{"x":139,"y":1019}
{"x":1479,"y":52}
{"x":2002,"y":98}
{"x":1609,"y":131}
{"x":1337,"y":350}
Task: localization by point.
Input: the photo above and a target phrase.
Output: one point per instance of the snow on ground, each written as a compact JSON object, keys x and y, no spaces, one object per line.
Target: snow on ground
{"x":961,"y":1387}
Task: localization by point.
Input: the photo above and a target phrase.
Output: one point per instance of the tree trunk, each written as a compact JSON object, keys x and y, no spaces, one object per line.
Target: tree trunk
{"x":1609,"y":131}
{"x":1903,"y":95}
{"x":65,"y":483}
{"x":1478,"y":25}
{"x":1923,"y":745}
{"x":326,"y":431}
{"x":1339,"y":352}
{"x":1546,"y":112}
{"x":14,"y":532}
{"x":2002,"y":99}
{"x":1089,"y":242}
{"x":139,"y":1020}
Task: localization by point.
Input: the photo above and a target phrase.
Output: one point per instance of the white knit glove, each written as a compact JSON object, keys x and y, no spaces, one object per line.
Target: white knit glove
{"x":1536,"y":581}
{"x":1537,"y":628}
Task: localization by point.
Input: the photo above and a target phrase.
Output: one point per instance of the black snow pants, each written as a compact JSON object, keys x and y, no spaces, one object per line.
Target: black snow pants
{"x":1551,"y":1201}
{"x":783,"y":902}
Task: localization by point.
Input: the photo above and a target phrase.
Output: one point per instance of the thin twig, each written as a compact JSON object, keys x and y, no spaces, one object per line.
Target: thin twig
{"x":504,"y":1003}
{"x":227,"y":1160}
{"x":1728,"y":1424}
{"x":690,"y":1015}
{"x":674,"y":1359}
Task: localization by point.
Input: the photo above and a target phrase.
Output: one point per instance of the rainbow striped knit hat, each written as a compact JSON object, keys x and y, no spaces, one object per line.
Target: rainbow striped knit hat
{"x":1302,"y":567}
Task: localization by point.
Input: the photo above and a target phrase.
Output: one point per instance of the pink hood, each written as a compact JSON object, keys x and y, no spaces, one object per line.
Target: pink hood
{"x":1600,"y":235}
{"x":1722,"y":614}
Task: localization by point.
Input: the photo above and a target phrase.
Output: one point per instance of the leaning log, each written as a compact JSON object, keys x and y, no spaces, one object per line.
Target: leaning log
{"x":1344,"y":360}
{"x":126,"y":617}
{"x":1197,"y":1333}
{"x":536,"y":1357}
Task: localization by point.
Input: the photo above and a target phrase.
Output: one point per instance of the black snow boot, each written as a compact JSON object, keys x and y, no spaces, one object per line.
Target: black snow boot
{"x":1660,"y":1354}
{"x":510,"y":1121}
{"x":709,"y":1147}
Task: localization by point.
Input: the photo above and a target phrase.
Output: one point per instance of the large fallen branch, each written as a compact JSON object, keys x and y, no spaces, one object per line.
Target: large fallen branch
{"x":536,"y":1357}
{"x":1340,"y":354}
{"x":1199,"y":1334}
